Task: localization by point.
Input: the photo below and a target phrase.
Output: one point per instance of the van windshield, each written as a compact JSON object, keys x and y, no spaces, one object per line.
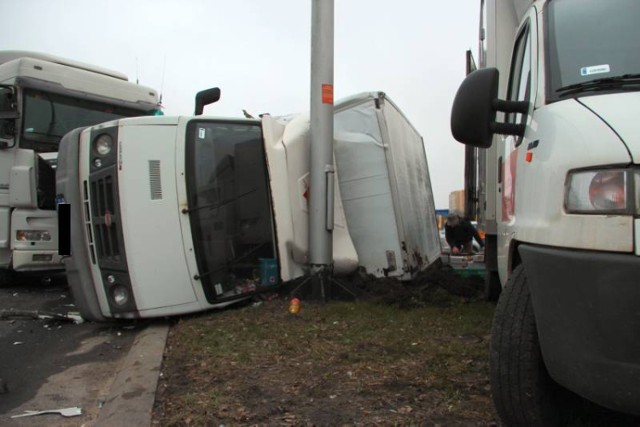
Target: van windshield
{"x":592,"y":47}
{"x":229,"y":205}
{"x":47,"y":117}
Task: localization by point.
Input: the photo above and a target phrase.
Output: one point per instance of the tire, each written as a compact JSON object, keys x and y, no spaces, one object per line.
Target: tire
{"x":523,"y":392}
{"x":492,"y":286}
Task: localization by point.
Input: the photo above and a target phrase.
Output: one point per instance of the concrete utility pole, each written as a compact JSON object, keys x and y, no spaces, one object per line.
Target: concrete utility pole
{"x":321,"y":179}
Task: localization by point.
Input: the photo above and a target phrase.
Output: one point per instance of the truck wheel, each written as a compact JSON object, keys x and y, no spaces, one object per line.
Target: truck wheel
{"x":523,"y":392}
{"x":492,"y":286}
{"x":7,"y":278}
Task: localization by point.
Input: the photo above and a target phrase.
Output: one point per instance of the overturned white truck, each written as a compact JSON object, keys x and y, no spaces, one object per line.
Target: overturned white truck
{"x":171,"y":215}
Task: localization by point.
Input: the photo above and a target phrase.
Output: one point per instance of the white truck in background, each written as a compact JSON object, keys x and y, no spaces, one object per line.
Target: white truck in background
{"x":172,"y":215}
{"x":555,"y":104}
{"x":42,"y":97}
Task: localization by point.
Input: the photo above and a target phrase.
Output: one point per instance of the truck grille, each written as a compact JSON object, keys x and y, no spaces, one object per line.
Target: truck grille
{"x":106,"y":221}
{"x":87,"y":221}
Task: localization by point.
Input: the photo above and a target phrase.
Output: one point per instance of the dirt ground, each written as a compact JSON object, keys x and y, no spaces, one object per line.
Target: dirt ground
{"x":400,"y":354}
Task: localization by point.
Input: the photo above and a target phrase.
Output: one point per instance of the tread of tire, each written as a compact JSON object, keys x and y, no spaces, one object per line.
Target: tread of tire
{"x":518,"y":376}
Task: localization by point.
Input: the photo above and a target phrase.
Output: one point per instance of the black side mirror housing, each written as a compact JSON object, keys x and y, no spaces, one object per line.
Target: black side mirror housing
{"x":473,"y":115}
{"x":206,"y":97}
{"x":472,"y":110}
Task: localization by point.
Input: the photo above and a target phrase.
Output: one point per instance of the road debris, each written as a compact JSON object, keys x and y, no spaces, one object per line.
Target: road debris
{"x":65,"y":412}
{"x":41,"y":315}
{"x":294,"y":306}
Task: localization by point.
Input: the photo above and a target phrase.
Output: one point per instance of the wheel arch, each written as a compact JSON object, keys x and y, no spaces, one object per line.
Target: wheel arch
{"x":514,"y":255}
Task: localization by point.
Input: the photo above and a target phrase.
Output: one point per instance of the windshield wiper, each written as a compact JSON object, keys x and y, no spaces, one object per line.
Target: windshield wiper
{"x":219,"y":204}
{"x":605,"y":83}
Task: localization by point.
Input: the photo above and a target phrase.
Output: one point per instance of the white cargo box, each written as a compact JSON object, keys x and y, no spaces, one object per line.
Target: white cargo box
{"x":385,"y":187}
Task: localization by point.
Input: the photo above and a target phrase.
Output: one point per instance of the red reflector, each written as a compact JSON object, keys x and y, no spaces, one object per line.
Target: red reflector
{"x":528,"y":157}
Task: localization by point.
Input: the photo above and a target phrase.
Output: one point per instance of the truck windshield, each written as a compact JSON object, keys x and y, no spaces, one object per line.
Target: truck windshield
{"x":47,"y":117}
{"x":229,"y":205}
{"x":592,"y":47}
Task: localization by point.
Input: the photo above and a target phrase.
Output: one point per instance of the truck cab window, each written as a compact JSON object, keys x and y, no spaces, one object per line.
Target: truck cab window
{"x":520,"y":77}
{"x":7,"y":100}
{"x":589,"y":41}
{"x":7,"y":105}
{"x":482,"y":36}
{"x":229,"y":204}
{"x":48,"y":117}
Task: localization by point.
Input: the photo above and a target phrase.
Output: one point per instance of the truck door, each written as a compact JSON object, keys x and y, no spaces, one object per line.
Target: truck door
{"x":521,"y":86}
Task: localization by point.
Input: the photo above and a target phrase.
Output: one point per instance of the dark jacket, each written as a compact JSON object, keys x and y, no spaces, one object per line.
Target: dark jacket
{"x":462,"y":233}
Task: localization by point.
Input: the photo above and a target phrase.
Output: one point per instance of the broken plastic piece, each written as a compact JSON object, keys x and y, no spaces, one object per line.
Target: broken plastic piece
{"x":65,"y":412}
{"x":73,"y":316}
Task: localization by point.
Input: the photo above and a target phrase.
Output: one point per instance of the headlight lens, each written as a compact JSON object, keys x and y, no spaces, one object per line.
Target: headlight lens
{"x":120,"y":295}
{"x":103,"y":144}
{"x":605,"y":191}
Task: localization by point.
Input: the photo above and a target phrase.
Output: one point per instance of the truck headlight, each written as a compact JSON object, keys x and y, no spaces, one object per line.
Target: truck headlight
{"x":103,"y":144}
{"x":120,"y":295}
{"x":33,"y":236}
{"x":603,"y":191}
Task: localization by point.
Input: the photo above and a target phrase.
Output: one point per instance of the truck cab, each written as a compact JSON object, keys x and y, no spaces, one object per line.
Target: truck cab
{"x":554,"y":106}
{"x":42,"y":97}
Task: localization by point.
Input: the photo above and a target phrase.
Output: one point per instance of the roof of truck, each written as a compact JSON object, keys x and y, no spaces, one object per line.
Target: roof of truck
{"x":11,"y":55}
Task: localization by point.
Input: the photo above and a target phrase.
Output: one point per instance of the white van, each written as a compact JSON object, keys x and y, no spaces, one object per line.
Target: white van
{"x":555,"y":104}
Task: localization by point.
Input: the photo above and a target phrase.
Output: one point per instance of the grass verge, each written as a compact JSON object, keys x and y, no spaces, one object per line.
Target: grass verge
{"x":332,"y":364}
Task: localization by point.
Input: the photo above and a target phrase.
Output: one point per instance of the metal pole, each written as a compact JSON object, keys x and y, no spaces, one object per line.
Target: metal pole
{"x":321,"y":161}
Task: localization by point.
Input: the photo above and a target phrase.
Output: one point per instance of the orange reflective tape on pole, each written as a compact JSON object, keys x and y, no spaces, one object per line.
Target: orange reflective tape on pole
{"x":327,"y":94}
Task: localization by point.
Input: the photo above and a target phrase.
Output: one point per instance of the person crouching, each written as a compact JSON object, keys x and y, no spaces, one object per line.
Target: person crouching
{"x":459,"y":233}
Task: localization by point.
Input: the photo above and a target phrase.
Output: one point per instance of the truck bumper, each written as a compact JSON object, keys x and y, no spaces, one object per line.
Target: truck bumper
{"x":35,"y":255}
{"x":587,"y":308}
{"x":79,"y":275}
{"x":36,"y":260}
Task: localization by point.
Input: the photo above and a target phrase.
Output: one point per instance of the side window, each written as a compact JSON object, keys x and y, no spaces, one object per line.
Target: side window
{"x":482,"y":39}
{"x":520,"y":76}
{"x":8,"y":111}
{"x":7,"y":99}
{"x":519,"y":89}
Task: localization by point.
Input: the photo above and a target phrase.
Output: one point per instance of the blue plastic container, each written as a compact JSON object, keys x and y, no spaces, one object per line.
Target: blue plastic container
{"x":268,"y":271}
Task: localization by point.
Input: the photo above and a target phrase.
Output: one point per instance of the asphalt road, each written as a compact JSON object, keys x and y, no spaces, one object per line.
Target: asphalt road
{"x":51,"y":364}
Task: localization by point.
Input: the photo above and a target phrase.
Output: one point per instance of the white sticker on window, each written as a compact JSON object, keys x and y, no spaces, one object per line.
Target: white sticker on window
{"x":595,"y":69}
{"x":201,"y":133}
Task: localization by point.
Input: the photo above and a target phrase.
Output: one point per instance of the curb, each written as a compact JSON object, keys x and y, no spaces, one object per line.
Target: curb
{"x":133,"y":391}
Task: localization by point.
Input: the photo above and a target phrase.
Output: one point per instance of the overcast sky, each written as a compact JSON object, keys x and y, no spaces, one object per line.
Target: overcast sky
{"x":258,"y":53}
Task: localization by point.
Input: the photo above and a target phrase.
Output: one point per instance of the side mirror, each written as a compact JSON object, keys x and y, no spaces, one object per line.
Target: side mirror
{"x":206,"y":97}
{"x":8,"y":102}
{"x":8,"y":113}
{"x":473,"y":115}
